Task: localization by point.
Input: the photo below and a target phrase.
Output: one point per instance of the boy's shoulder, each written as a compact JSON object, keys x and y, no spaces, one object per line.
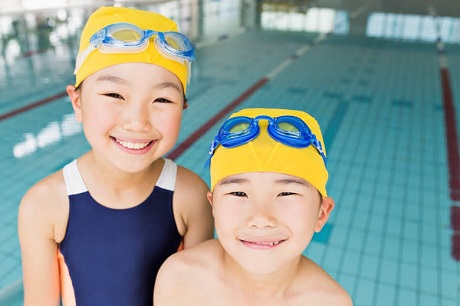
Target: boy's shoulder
{"x":319,"y":287}
{"x":204,"y":256}
{"x":189,"y":271}
{"x":192,"y":264}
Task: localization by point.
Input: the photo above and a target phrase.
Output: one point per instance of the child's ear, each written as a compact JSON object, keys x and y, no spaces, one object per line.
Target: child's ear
{"x":327,"y":205}
{"x":209,"y":195}
{"x":74,"y":95}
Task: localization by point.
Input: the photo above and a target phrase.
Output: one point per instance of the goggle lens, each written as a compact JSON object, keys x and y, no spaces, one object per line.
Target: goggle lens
{"x":239,"y":128}
{"x":174,"y":43}
{"x":126,"y":36}
{"x":288,"y":128}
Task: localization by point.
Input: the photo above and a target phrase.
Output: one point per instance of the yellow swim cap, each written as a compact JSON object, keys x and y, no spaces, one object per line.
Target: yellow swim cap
{"x":105,"y":16}
{"x":265,"y":154}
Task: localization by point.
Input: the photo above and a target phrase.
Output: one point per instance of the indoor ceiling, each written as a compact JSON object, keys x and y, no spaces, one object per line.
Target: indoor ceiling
{"x":418,"y":7}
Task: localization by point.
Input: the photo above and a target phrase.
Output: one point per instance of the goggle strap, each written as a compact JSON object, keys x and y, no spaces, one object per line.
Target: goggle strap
{"x":317,"y":144}
{"x":214,"y":145}
{"x":208,"y":163}
{"x":189,"y":71}
{"x":82,"y":56}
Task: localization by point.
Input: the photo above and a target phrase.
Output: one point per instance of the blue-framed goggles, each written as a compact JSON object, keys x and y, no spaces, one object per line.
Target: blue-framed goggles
{"x":289,"y":130}
{"x":127,"y":38}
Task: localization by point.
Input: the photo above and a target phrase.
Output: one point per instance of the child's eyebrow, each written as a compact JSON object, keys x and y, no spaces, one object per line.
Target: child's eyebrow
{"x":233,"y":180}
{"x":111,"y":78}
{"x":118,"y":80}
{"x":293,"y":181}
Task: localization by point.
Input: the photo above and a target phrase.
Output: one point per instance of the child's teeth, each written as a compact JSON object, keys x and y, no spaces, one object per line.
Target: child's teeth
{"x":133,"y":145}
{"x":269,"y":243}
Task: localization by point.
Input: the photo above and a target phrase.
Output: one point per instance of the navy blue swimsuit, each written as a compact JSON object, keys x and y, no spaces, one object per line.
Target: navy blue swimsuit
{"x":113,"y":255}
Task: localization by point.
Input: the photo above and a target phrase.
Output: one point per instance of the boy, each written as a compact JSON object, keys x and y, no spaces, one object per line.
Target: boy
{"x":268,"y":195}
{"x":97,"y":231}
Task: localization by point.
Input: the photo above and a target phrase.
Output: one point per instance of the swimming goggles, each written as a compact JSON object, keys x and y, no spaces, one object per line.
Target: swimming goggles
{"x":128,"y":38}
{"x":288,"y":130}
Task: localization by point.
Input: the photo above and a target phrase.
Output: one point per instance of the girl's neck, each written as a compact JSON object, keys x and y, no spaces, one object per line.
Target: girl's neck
{"x":115,"y":178}
{"x":114,"y":188}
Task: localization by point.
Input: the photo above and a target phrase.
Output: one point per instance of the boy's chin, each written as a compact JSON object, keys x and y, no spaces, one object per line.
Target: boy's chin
{"x":261,"y":265}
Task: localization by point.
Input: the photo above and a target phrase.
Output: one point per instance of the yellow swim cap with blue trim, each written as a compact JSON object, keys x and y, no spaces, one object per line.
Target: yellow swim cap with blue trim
{"x":265,"y":154}
{"x":105,"y":16}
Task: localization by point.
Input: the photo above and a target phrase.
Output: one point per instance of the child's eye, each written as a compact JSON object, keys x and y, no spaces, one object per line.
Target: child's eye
{"x":286,"y":193}
{"x":238,"y":194}
{"x":162,"y":100}
{"x":113,"y":95}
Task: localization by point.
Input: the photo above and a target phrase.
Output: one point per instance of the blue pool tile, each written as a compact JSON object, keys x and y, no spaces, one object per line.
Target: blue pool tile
{"x":385,"y":295}
{"x":407,"y":297}
{"x":324,"y":234}
{"x":365,"y":292}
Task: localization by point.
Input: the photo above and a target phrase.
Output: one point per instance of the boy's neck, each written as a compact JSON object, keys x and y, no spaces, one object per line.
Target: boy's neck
{"x":271,"y":285}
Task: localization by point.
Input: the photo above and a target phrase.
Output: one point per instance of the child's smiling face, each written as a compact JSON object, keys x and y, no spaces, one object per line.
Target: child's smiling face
{"x":131,"y":113}
{"x":265,"y":220}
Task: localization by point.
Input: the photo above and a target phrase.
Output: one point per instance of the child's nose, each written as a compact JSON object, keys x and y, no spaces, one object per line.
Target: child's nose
{"x":135,"y":117}
{"x":262,"y":216}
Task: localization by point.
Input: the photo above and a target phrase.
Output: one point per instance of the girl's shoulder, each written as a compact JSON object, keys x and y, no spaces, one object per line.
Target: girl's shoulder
{"x":47,"y":191}
{"x":46,"y":204}
{"x":189,"y":183}
{"x":319,"y":285}
{"x":191,"y":207}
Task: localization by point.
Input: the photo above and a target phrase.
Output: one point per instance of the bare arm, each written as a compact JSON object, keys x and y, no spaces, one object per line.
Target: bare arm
{"x":37,"y":237}
{"x":320,"y":288}
{"x":167,"y":283}
{"x":196,"y":221}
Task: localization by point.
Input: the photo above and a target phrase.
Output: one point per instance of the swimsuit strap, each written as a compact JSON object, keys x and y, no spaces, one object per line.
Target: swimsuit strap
{"x":167,"y":178}
{"x":73,"y":180}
